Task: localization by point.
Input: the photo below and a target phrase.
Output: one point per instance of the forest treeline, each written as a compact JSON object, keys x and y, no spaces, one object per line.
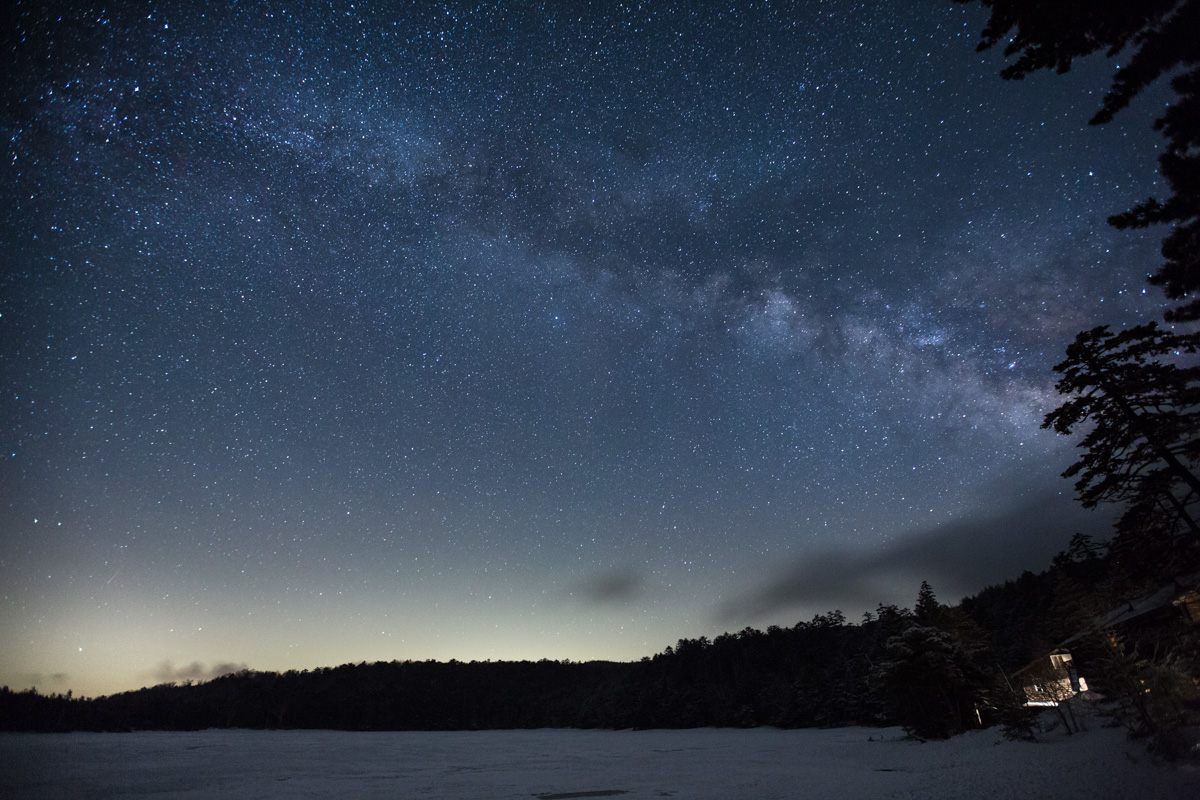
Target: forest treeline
{"x":935,"y":669}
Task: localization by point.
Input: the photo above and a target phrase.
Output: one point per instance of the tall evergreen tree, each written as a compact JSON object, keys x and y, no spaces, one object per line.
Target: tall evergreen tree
{"x":928,"y":609}
{"x":926,"y":672}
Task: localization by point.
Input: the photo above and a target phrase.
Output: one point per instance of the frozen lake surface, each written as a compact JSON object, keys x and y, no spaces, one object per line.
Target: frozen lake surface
{"x":757,"y":764}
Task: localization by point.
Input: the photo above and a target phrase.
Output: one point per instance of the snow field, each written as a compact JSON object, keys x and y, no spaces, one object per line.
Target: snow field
{"x":757,"y":764}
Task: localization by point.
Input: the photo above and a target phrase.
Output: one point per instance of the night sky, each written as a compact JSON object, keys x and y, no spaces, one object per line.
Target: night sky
{"x":522,"y":331}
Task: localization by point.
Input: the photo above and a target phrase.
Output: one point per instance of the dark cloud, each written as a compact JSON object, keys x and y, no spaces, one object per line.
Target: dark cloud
{"x":616,"y":586}
{"x":957,"y":558}
{"x":195,"y":671}
{"x":54,"y":681}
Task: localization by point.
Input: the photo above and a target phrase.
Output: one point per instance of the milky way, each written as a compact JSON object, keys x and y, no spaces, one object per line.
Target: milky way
{"x":509,"y":331}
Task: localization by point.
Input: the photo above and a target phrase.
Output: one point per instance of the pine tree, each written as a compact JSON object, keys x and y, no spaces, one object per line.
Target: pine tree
{"x":927,"y":671}
{"x":1144,"y":412}
{"x":927,"y":610}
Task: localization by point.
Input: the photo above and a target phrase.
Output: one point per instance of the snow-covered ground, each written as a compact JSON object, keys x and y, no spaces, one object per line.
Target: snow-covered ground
{"x":761,"y":763}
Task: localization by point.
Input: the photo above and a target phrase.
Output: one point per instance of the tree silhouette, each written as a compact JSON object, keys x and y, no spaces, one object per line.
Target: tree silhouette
{"x":928,"y":609}
{"x":1050,"y":34}
{"x":1144,"y":409}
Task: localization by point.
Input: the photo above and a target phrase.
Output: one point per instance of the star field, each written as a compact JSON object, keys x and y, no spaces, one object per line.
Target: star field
{"x":337,"y":333}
